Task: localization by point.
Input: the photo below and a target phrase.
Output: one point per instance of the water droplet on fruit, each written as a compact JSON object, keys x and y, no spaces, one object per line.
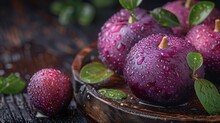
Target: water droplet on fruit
{"x":139,"y":62}
{"x":166,"y":68}
{"x":114,"y":42}
{"x":132,"y":26}
{"x":158,"y":65}
{"x":166,"y":55}
{"x":118,"y":37}
{"x":205,"y":44}
{"x":108,"y":25}
{"x":121,"y":47}
{"x":106,"y":52}
{"x":116,"y":28}
{"x":216,"y":46}
{"x":107,"y":33}
{"x":198,"y":36}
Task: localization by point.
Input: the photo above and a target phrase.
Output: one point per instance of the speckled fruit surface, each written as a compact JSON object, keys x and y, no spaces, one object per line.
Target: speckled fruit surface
{"x":157,"y":75}
{"x":178,"y":8}
{"x":117,"y":36}
{"x":50,"y":91}
{"x":207,"y":42}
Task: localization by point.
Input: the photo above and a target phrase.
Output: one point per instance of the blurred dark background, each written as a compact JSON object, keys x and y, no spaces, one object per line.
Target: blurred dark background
{"x":89,"y":26}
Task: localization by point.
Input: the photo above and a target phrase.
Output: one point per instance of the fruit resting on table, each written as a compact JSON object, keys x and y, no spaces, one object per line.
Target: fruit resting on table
{"x":50,"y":91}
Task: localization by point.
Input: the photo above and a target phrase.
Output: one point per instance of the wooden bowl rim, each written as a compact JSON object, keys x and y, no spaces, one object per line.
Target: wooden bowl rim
{"x":76,"y":66}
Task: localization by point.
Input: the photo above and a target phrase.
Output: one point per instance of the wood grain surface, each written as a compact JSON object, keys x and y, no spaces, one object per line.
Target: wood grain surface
{"x":29,"y":41}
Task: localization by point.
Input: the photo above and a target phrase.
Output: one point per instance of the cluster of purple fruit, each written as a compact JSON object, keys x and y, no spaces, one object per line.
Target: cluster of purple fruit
{"x":153,"y":58}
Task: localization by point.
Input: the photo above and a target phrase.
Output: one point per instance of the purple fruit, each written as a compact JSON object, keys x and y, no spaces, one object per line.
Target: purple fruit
{"x":117,"y":36}
{"x":159,"y":73}
{"x":50,"y":91}
{"x":207,"y":42}
{"x":182,"y":12}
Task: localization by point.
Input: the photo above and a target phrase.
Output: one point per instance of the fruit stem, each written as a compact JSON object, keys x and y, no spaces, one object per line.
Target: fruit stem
{"x":188,"y":3}
{"x":163,"y":44}
{"x":132,"y":18}
{"x":217,"y":25}
{"x":194,"y":76}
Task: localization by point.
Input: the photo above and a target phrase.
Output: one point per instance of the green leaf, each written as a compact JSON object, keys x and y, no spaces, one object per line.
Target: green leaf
{"x":103,"y":3}
{"x":165,"y":17}
{"x":113,"y":93}
{"x":11,"y":85}
{"x":194,"y":60}
{"x":95,"y":72}
{"x":56,"y":7}
{"x":87,"y":14}
{"x":130,"y":5}
{"x":208,"y":95}
{"x":66,"y":16}
{"x":200,"y":11}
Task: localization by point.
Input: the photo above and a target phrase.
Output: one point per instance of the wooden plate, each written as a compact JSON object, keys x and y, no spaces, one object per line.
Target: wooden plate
{"x":132,"y":109}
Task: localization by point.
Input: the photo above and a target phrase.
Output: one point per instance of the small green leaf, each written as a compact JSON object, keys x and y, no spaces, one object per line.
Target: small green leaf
{"x":208,"y":95}
{"x":95,"y":72}
{"x":165,"y":17}
{"x":194,"y":60}
{"x":66,"y":15}
{"x":130,"y":5}
{"x":87,"y":14}
{"x":103,"y":3}
{"x":11,"y":85}
{"x":113,"y":93}
{"x":56,"y":7}
{"x":200,"y":11}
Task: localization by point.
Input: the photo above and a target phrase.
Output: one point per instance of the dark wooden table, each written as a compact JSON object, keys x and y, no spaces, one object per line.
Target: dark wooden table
{"x":32,"y":39}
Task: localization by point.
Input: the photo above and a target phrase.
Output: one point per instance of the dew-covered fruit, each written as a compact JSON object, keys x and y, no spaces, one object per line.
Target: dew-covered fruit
{"x":117,"y":36}
{"x":50,"y":91}
{"x":182,"y":10}
{"x":182,"y":13}
{"x":207,"y":42}
{"x":158,"y":72}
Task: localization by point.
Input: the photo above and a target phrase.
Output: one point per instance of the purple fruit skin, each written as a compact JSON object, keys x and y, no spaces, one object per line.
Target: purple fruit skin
{"x":215,"y":14}
{"x":160,"y":76}
{"x":50,"y":91}
{"x":117,"y":36}
{"x":182,"y":13}
{"x":207,"y":43}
